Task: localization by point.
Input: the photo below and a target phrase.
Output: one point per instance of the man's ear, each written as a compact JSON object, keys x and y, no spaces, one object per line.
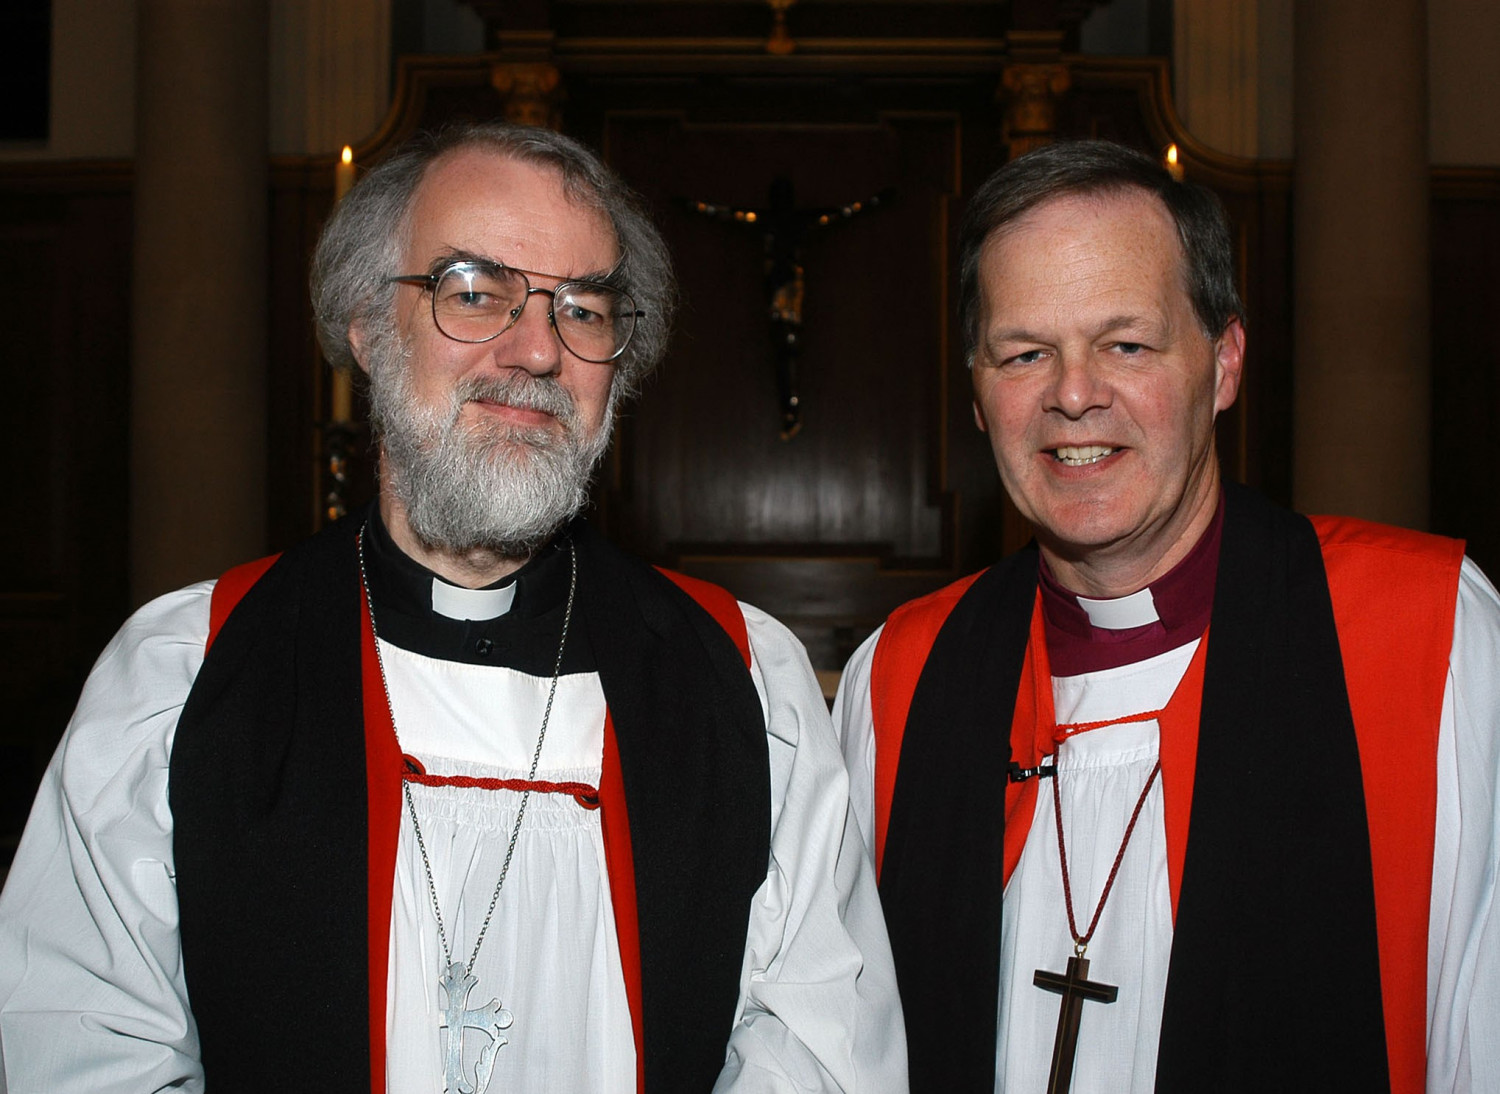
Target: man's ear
{"x":359,"y":344}
{"x":979,"y":421}
{"x":1229,"y":364}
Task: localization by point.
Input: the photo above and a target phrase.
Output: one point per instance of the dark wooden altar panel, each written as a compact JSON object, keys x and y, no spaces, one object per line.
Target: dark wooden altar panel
{"x":704,"y":468}
{"x":64,"y":308}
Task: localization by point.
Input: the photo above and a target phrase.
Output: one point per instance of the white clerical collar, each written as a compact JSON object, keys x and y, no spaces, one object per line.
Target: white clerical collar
{"x":1123,"y":612}
{"x":456,"y":602}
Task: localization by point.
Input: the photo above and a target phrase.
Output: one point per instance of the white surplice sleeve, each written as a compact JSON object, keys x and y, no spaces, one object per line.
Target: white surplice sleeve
{"x":818,"y":1004}
{"x":92,"y":996}
{"x":1463,"y":953}
{"x":854,"y":721}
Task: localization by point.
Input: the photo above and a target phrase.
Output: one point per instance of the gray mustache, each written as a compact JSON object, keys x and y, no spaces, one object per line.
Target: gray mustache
{"x":524,"y":392}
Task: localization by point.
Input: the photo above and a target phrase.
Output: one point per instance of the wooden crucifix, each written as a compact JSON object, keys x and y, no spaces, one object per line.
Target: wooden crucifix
{"x":784,"y":231}
{"x":1075,"y":987}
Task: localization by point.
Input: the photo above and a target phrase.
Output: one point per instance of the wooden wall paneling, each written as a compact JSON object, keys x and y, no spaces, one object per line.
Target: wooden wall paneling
{"x":1466,"y":359}
{"x":34,"y":604}
{"x":64,"y":304}
{"x":1266,"y":392}
{"x":296,"y":387}
{"x":299,"y":382}
{"x":872,"y":345}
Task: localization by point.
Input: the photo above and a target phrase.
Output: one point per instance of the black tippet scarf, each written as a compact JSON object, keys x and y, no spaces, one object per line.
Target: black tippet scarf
{"x":1274,"y":981}
{"x":268,"y":797}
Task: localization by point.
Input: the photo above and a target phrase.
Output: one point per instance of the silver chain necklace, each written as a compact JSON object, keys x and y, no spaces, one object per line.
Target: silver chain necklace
{"x":457,"y":979}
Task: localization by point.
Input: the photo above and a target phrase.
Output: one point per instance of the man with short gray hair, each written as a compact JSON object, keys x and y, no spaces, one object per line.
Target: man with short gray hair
{"x":454,"y":795}
{"x":1202,"y":792}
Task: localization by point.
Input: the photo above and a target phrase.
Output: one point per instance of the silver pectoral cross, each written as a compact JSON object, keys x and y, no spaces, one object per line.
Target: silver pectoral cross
{"x":489,"y":1019}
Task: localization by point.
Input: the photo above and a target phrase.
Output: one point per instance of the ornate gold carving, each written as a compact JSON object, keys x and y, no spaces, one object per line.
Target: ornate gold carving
{"x":1030,"y":92}
{"x":533,"y":92}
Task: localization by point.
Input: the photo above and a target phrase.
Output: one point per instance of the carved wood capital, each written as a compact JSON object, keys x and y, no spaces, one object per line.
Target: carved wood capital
{"x":1030,"y":93}
{"x":533,"y":92}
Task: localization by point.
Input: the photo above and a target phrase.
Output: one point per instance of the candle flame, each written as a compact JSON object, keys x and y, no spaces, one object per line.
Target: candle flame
{"x":348,"y":154}
{"x":1173,"y":163}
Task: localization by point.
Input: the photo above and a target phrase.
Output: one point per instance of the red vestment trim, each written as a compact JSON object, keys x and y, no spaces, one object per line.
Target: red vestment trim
{"x":1032,"y":734}
{"x":383,"y":802}
{"x":229,"y":590}
{"x":619,"y":860}
{"x":383,"y":774}
{"x":1397,"y":673}
{"x":894,"y":671}
{"x":1395,"y":645}
{"x":717,"y":602}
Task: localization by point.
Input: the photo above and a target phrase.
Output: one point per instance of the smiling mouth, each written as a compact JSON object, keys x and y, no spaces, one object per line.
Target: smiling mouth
{"x":518,"y":408}
{"x":512,"y":404}
{"x":1082,"y":455}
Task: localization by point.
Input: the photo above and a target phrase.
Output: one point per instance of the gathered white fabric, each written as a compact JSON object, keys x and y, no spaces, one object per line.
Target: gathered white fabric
{"x":93,"y":995}
{"x":550,"y":955}
{"x":1103,"y":771}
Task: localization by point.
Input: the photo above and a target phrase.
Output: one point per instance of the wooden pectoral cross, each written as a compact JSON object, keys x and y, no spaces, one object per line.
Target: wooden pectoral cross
{"x":490,"y":1019}
{"x":1074,"y":986}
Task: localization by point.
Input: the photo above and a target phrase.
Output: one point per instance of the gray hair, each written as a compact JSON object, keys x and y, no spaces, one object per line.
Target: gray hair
{"x":366,"y":238}
{"x":1101,"y":167}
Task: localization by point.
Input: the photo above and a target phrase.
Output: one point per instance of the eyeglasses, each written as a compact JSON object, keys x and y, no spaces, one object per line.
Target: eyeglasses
{"x":478,"y":301}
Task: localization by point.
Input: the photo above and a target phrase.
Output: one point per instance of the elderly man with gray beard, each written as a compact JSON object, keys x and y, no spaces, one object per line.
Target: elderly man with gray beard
{"x":454,"y":795}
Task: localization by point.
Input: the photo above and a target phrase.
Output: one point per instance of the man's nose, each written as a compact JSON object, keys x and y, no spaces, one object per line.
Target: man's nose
{"x":531,"y":342}
{"x":1078,"y":386}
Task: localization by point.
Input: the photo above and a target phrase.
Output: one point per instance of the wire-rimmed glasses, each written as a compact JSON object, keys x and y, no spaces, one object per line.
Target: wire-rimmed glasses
{"x":479,"y":301}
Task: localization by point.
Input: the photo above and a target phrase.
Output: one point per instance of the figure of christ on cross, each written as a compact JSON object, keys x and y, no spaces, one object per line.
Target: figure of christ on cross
{"x":785,"y":230}
{"x":1074,"y":986}
{"x":489,"y":1019}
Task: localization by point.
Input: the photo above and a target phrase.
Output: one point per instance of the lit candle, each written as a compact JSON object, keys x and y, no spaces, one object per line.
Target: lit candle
{"x":343,"y":174}
{"x":1173,"y":167}
{"x":343,"y":388}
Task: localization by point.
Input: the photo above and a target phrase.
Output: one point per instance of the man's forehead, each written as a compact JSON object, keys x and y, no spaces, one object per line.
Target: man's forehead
{"x":1129,"y":229}
{"x":477,"y":176}
{"x":478,"y":191}
{"x":1142,"y":209}
{"x":485,"y":159}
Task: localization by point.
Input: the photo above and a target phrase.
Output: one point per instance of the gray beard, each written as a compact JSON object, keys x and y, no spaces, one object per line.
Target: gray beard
{"x":486,"y":486}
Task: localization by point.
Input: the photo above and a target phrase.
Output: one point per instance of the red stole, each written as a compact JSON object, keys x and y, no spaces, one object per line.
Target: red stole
{"x":383,"y":777}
